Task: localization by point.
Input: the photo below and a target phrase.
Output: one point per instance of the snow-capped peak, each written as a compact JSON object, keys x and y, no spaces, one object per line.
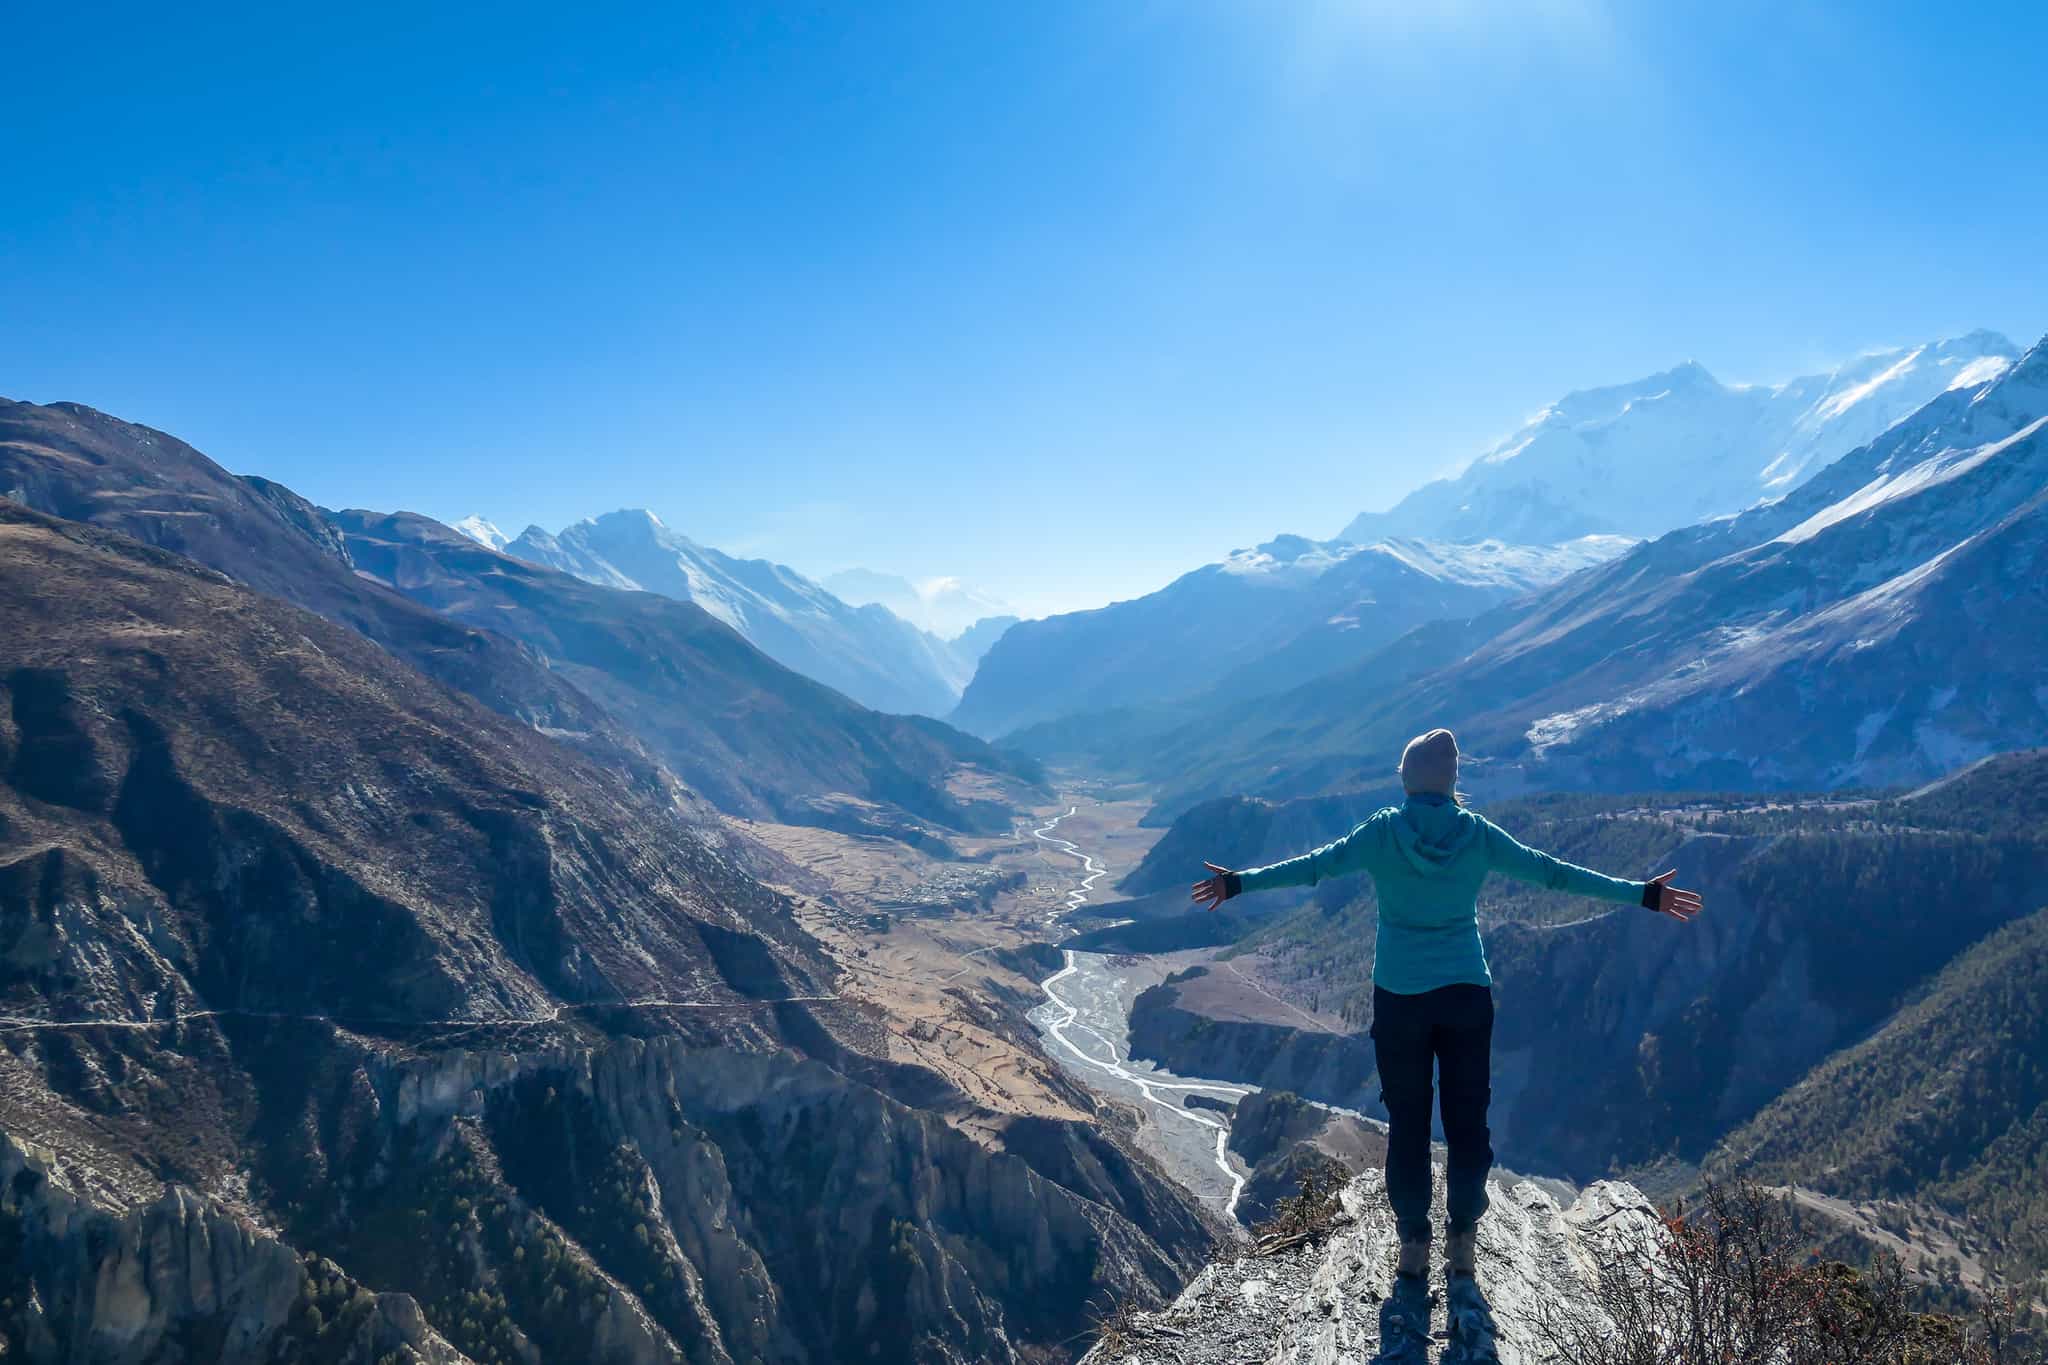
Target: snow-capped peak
{"x":1289,"y":559}
{"x":483,"y":533}
{"x":1680,"y":447}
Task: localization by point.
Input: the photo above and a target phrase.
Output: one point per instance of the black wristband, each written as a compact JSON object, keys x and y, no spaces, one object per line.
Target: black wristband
{"x":1233,"y":885}
{"x":1651,"y":895}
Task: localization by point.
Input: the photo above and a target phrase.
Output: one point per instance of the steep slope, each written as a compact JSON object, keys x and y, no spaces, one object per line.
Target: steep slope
{"x":868,"y":653}
{"x":401,"y":848}
{"x":753,"y":736}
{"x":1336,"y":1299}
{"x":1623,"y":1038}
{"x":971,"y":645}
{"x":1679,"y":447}
{"x":747,"y":733}
{"x":1946,"y":1104}
{"x":1257,"y":621}
{"x":479,"y":1023}
{"x":1286,"y":1141}
{"x":1880,"y":625}
{"x":71,"y":461}
{"x":249,"y":1300}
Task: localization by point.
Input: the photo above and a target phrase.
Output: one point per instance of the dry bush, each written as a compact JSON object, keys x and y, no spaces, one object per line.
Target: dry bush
{"x":1304,"y":1218}
{"x":1309,"y":1216}
{"x":1729,"y":1282}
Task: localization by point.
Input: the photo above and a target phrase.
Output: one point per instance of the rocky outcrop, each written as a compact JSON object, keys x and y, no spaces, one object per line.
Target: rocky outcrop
{"x":1620,"y":1037}
{"x":634,"y":1202}
{"x":307,"y":961}
{"x":179,"y":1278}
{"x":1336,"y":1068}
{"x":1289,"y":1142}
{"x":1334,"y":1302}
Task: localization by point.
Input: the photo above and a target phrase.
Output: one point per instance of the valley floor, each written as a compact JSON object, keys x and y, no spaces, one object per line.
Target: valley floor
{"x":980,"y":994}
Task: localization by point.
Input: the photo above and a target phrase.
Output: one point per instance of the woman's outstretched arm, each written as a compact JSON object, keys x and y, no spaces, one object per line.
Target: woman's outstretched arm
{"x":1333,"y":859}
{"x":1506,"y":854}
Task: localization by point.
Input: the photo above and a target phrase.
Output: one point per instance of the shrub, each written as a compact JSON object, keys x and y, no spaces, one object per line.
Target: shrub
{"x":1730,"y":1283}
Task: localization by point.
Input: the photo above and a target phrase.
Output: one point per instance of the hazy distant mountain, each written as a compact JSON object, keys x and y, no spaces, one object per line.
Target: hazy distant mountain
{"x":1679,"y":447}
{"x":1883,"y":623}
{"x":869,"y":653}
{"x":976,"y":641}
{"x":1259,"y":620}
{"x":944,"y":606}
{"x":75,"y":462}
{"x":611,"y":674}
{"x":751,"y":734}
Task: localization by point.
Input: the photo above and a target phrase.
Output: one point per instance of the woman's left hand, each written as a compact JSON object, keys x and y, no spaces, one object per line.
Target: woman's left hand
{"x":1211,"y":892}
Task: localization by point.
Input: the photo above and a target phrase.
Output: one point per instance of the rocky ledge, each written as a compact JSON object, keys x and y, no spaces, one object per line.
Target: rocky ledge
{"x":1334,"y":1301}
{"x":182,"y":1278}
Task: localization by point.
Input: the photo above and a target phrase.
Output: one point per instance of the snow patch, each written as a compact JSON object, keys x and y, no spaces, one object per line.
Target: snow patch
{"x":1565,"y":726}
{"x":1848,"y":398}
{"x":1929,"y":473}
{"x":483,"y":533}
{"x":1982,"y":370}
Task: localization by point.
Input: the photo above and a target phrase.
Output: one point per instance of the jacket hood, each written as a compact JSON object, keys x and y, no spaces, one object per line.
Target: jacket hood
{"x":1432,"y":832}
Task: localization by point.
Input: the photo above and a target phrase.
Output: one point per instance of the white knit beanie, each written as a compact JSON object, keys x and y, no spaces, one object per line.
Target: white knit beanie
{"x":1430,"y":764}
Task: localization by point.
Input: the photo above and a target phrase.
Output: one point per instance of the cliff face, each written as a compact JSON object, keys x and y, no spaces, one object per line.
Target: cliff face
{"x":1621,"y":1037}
{"x":1337,"y":1301}
{"x":1335,"y":1068}
{"x":181,"y":1277}
{"x":324,"y":987}
{"x":639,"y":1201}
{"x":1287,"y":1141}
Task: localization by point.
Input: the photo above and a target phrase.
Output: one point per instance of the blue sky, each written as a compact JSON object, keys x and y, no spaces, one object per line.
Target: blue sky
{"x":1058,"y":298}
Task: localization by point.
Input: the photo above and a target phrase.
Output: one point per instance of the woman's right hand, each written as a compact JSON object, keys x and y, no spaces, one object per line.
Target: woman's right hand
{"x":1674,"y":901}
{"x":1212,"y":891}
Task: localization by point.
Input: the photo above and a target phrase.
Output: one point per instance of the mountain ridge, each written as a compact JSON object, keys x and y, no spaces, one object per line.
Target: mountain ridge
{"x":758,"y":738}
{"x":867,"y":652}
{"x":731,"y":723}
{"x":1678,"y":447}
{"x":1810,"y":641}
{"x":1249,"y":623}
{"x":453,"y":1012}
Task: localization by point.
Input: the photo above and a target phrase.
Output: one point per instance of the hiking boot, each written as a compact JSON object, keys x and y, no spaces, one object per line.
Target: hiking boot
{"x":1414,"y":1258}
{"x":1461,"y":1253}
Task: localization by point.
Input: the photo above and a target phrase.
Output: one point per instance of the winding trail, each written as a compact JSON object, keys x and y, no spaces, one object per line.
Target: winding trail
{"x":554,"y":1013}
{"x":1061,"y":1017}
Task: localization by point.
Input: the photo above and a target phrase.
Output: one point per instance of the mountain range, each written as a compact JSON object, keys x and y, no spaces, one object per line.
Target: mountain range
{"x":684,"y":694}
{"x":1249,"y":624}
{"x":1877,"y":624}
{"x":946,"y":607}
{"x":353,"y":1015}
{"x":1679,"y":447}
{"x":1856,"y":1014}
{"x":380,"y":978}
{"x":867,"y":652}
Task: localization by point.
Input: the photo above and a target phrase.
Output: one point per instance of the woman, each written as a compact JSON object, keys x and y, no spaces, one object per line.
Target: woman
{"x":1432,"y":996}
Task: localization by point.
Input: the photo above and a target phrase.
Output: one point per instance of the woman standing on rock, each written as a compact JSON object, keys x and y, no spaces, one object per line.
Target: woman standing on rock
{"x":1432,"y":997}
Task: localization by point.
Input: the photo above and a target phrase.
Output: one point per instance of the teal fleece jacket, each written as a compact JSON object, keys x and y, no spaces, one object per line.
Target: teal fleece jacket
{"x":1427,"y":858}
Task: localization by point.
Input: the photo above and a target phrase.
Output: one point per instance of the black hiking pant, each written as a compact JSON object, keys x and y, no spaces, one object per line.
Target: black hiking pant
{"x":1449,"y":1030}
